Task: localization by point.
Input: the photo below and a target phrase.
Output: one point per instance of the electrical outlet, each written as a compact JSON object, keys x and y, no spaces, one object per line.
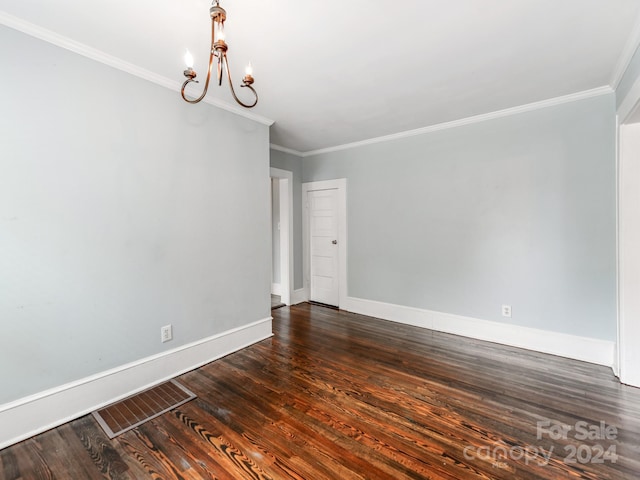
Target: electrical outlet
{"x":506,"y":311}
{"x":166,"y":333}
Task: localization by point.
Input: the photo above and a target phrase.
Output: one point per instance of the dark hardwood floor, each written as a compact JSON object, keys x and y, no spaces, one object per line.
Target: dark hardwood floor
{"x":335,"y":395}
{"x":276,"y":302}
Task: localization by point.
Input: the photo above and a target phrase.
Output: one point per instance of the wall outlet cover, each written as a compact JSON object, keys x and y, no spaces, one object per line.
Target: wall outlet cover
{"x":166,"y":333}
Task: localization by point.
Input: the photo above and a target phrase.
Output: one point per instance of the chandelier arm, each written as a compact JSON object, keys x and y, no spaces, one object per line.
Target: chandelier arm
{"x":206,"y":84}
{"x":233,"y":92}
{"x":219,"y":50}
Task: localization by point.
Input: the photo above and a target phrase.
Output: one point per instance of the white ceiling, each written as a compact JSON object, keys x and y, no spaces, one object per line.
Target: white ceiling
{"x":336,"y":72}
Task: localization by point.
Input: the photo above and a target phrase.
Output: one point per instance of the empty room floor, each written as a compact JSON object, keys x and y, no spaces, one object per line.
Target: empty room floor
{"x":334,"y":395}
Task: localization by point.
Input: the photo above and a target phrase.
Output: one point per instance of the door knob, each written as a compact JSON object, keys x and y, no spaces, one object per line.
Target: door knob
{"x":335,"y":242}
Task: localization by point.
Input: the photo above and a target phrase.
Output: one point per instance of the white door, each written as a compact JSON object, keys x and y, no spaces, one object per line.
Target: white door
{"x":323,"y":242}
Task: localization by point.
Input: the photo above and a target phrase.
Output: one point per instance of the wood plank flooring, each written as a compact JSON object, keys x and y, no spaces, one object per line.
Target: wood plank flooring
{"x":276,"y":302}
{"x":335,"y":395}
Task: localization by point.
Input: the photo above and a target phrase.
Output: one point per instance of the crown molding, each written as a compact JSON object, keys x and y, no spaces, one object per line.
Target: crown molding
{"x":61,"y":41}
{"x":633,"y":42}
{"x":469,"y":120}
{"x":273,"y":146}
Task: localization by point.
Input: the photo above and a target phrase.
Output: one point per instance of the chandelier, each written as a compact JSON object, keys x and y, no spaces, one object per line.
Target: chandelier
{"x":219,"y":51}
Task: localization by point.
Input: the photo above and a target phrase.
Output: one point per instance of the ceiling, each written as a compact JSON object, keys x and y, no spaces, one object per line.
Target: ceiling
{"x":336,"y":72}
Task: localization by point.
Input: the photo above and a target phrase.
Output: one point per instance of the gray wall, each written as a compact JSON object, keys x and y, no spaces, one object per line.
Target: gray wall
{"x":630,"y":76}
{"x":293,"y":163}
{"x":518,"y":210}
{"x":120,"y":211}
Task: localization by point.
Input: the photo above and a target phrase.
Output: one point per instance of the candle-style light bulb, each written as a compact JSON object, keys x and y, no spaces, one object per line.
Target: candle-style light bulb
{"x":188,"y":59}
{"x":220,"y":31}
{"x":248,"y":76}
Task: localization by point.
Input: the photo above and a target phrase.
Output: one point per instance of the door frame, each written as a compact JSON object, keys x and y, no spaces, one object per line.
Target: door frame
{"x":626,"y":363}
{"x":340,"y":185}
{"x":628,"y":254}
{"x":285,"y":183}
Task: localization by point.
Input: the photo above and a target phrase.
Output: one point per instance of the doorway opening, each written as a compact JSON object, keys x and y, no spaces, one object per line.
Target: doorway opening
{"x":282,"y":236}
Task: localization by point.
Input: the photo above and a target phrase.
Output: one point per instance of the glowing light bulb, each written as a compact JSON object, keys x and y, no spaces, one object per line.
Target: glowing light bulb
{"x":249,"y":69}
{"x":188,"y":59}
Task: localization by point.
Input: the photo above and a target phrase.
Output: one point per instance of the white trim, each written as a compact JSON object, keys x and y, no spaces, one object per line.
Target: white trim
{"x":615,"y":366}
{"x":285,"y":178}
{"x":580,"y":348}
{"x":273,"y":146}
{"x":276,"y":288}
{"x":616,"y":354}
{"x":29,"y":416}
{"x":340,"y":185}
{"x":299,"y":296}
{"x":469,"y":120}
{"x":115,"y":62}
{"x":629,"y":254}
{"x":627,"y":54}
{"x":629,"y":103}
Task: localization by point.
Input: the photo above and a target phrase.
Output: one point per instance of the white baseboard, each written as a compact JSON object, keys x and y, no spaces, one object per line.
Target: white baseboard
{"x":276,"y":289}
{"x":615,"y":364}
{"x":29,"y":416}
{"x":299,"y":296}
{"x":586,"y":349}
